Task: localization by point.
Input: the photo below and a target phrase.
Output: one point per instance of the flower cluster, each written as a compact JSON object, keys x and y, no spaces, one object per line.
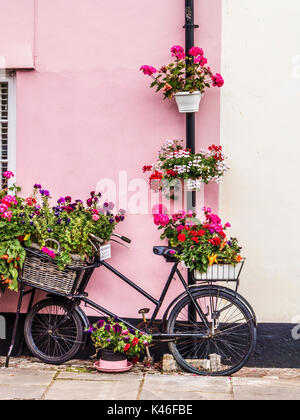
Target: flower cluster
{"x":35,"y":219}
{"x":199,"y":243}
{"x":185,"y":74}
{"x":48,"y":252}
{"x":110,"y":334}
{"x":175,"y":162}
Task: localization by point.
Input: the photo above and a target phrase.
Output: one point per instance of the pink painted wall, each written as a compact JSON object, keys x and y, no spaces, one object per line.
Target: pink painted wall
{"x":86,"y":112}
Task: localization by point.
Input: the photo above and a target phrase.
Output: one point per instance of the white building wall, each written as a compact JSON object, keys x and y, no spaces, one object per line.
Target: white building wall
{"x":260,"y":121}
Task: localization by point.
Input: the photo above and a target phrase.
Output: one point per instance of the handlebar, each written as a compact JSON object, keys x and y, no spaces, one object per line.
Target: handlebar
{"x":96,"y":238}
{"x":101,"y":241}
{"x":123,"y":238}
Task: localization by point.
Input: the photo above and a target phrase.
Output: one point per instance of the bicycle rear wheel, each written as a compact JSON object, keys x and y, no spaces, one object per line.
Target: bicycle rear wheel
{"x":51,"y":333}
{"x":230,"y":337}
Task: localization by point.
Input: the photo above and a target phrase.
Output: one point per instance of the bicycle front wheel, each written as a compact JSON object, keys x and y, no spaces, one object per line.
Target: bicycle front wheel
{"x":229,"y":336}
{"x":51,"y":333}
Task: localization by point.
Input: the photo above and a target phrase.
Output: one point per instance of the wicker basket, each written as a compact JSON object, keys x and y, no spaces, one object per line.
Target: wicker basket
{"x":41,"y":272}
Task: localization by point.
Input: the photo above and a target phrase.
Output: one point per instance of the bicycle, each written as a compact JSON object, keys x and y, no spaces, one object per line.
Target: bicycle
{"x":210,"y":329}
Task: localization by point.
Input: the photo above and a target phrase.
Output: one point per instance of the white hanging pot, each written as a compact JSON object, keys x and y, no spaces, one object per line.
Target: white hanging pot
{"x":188,"y":102}
{"x":193,"y":184}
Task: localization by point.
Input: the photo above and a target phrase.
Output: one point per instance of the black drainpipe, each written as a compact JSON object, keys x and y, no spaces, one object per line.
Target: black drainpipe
{"x":190,"y":117}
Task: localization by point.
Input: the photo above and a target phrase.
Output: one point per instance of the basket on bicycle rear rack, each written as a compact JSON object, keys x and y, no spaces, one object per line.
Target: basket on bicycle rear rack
{"x":220,"y":272}
{"x":41,"y":272}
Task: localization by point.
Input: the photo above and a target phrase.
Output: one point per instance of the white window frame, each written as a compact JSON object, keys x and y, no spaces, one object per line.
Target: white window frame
{"x":10,"y":78}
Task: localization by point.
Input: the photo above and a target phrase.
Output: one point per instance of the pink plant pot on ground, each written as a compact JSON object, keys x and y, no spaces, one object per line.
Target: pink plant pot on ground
{"x":112,"y":362}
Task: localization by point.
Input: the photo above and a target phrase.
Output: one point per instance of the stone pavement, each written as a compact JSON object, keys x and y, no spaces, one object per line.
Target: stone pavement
{"x":28,"y":379}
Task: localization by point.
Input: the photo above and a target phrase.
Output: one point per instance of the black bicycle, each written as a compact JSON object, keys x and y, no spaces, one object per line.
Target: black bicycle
{"x":210,"y":329}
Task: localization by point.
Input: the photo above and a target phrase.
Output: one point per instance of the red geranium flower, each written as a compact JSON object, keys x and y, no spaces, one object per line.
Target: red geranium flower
{"x":147,"y":168}
{"x":215,"y":241}
{"x":135,"y":341}
{"x":181,"y":237}
{"x":126,"y":347}
{"x":201,"y":232}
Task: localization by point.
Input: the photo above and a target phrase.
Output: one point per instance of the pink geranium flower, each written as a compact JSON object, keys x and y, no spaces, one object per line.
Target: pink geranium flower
{"x":218,"y":80}
{"x":3,"y":208}
{"x":201,"y":60}
{"x":178,"y":52}
{"x":9,"y":200}
{"x":8,"y":174}
{"x":195,"y":51}
{"x":161,"y":219}
{"x":148,"y":70}
{"x":7,"y":215}
{"x":95,"y":217}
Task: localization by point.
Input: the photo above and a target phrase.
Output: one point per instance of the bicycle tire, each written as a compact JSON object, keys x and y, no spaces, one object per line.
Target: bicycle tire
{"x":50,"y":329}
{"x":187,"y":353}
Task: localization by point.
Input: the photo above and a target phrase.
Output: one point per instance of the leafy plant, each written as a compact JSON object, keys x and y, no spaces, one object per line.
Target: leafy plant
{"x":176,"y":163}
{"x":24,"y":221}
{"x":185,"y":74}
{"x":116,"y":336}
{"x":197,"y":243}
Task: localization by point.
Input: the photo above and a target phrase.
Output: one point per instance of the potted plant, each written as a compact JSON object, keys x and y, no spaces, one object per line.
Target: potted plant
{"x":192,"y":169}
{"x":203,"y":245}
{"x":34,"y":222}
{"x":117,"y":343}
{"x":186,"y":78}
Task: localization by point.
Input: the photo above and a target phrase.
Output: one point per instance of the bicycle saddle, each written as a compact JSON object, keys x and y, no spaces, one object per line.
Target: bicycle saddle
{"x":165,"y":252}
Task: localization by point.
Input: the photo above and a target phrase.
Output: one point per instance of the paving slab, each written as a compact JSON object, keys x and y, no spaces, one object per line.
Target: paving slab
{"x":186,"y":388}
{"x":86,"y":386}
{"x":24,"y":384}
{"x":265,"y":389}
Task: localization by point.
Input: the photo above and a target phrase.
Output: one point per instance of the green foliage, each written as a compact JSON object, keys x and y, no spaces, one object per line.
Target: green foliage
{"x":24,"y":221}
{"x":182,"y":75}
{"x":199,"y":243}
{"x":118,"y":337}
{"x":176,"y":163}
{"x":12,"y":257}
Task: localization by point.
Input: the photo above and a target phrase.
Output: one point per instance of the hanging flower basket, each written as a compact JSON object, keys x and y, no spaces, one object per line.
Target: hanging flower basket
{"x":186,"y":78}
{"x":178,"y":168}
{"x":188,"y":102}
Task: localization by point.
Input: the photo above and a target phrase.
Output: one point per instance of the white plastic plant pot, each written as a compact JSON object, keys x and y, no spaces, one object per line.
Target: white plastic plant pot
{"x":219,"y":272}
{"x":188,"y":102}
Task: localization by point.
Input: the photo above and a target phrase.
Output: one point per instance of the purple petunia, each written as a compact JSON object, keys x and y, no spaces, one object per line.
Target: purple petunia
{"x":37,"y":186}
{"x":46,"y":193}
{"x":107,"y":327}
{"x":117,"y":328}
{"x":91,"y":329}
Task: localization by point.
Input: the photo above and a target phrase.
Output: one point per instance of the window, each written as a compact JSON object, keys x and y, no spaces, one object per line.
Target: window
{"x":7,"y":125}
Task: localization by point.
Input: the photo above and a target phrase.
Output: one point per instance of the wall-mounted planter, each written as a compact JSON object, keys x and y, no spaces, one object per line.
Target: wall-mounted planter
{"x":188,"y":102}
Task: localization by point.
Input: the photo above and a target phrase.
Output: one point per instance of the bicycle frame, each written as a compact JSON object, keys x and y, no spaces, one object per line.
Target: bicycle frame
{"x":157,"y":302}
